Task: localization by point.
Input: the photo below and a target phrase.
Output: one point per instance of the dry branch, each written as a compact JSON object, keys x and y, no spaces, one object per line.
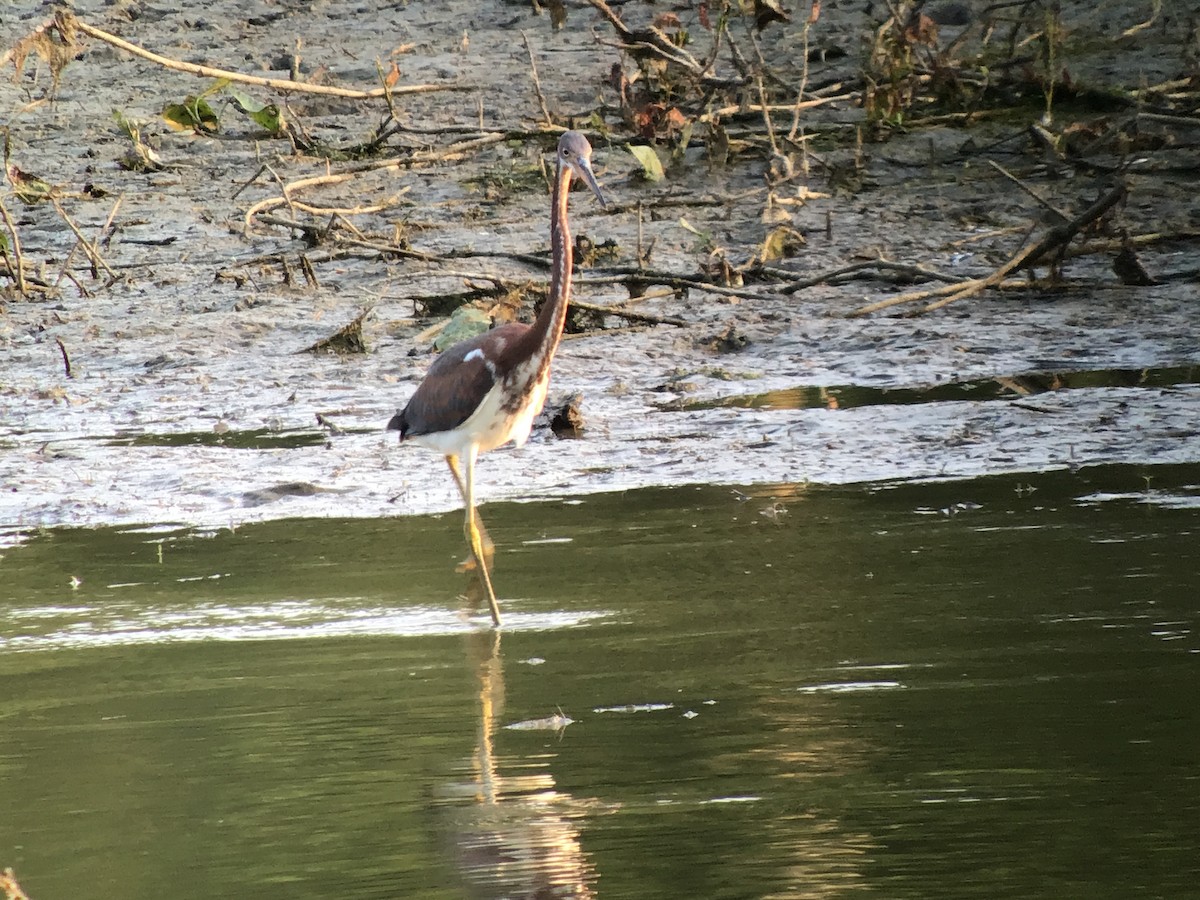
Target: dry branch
{"x":258,"y":211}
{"x":629,"y":314}
{"x":1055,"y":239}
{"x":636,"y":277}
{"x":854,"y":271}
{"x":312,"y":209}
{"x":68,"y":22}
{"x":651,"y":41}
{"x":537,"y":83}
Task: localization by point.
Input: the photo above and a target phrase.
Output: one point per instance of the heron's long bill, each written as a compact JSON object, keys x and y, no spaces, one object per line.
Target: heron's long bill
{"x":584,"y":168}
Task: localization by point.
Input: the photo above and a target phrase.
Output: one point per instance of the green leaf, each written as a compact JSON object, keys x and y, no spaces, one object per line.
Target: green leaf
{"x":129,"y":126}
{"x":193,"y":114}
{"x":652,"y":168}
{"x":268,"y":117}
{"x":140,"y":157}
{"x":217,"y":86}
{"x":706,"y":238}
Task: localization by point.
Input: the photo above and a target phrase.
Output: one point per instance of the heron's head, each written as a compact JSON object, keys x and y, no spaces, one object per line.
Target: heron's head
{"x":575,"y":154}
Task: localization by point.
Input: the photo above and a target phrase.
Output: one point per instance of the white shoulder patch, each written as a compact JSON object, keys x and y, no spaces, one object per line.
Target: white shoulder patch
{"x":474,"y":354}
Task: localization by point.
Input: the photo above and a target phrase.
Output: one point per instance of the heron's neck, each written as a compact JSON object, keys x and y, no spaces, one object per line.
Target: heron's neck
{"x":529,"y":357}
{"x":549,"y":324}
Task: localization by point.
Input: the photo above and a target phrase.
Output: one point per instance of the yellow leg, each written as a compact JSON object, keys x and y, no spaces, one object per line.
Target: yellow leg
{"x":473,"y":530}
{"x":489,"y":548}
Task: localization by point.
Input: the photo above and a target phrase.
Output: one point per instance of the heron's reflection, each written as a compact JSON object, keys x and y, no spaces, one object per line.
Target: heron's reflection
{"x":518,"y":837}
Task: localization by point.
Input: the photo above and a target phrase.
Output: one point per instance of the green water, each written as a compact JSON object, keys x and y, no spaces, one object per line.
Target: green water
{"x":971,"y":689}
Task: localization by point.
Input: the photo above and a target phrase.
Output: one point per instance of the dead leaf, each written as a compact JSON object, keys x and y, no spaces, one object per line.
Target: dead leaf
{"x":921,"y":30}
{"x":783,"y":242}
{"x":768,"y":11}
{"x":652,"y":168}
{"x":675,"y":120}
{"x":29,"y":189}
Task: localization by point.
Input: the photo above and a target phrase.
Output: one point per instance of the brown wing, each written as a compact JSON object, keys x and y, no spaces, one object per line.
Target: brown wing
{"x":454,"y":386}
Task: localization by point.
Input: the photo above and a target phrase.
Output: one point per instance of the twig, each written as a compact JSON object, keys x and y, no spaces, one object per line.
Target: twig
{"x":537,"y":84}
{"x":1173,"y":85}
{"x":1155,"y":10}
{"x":65,"y":358}
{"x":1027,"y":189}
{"x":249,"y":181}
{"x":988,"y":235}
{"x":804,"y":35}
{"x":649,"y":276}
{"x":16,"y":266}
{"x":1136,"y":240}
{"x":454,"y":151}
{"x":762,"y":93}
{"x":88,"y":248}
{"x":105,"y":234}
{"x":641,"y":259}
{"x":448,"y":154}
{"x":66,"y":21}
{"x":388,"y":249}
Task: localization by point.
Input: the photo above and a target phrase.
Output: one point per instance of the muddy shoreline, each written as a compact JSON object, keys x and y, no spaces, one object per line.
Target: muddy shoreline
{"x":176,"y":346}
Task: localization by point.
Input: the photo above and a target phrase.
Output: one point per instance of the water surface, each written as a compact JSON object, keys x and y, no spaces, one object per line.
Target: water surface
{"x":961,"y":689}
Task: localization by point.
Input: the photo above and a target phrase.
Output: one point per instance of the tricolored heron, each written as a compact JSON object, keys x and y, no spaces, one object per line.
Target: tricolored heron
{"x":485,"y":391}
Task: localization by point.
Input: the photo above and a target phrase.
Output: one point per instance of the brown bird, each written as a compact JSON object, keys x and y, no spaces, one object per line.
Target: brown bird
{"x":486,"y":391}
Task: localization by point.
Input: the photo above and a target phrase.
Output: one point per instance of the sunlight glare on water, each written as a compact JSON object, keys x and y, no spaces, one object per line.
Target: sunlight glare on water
{"x":114,"y":624}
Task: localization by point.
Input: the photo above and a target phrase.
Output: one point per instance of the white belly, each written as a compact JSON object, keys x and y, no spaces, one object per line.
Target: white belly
{"x":489,"y":426}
